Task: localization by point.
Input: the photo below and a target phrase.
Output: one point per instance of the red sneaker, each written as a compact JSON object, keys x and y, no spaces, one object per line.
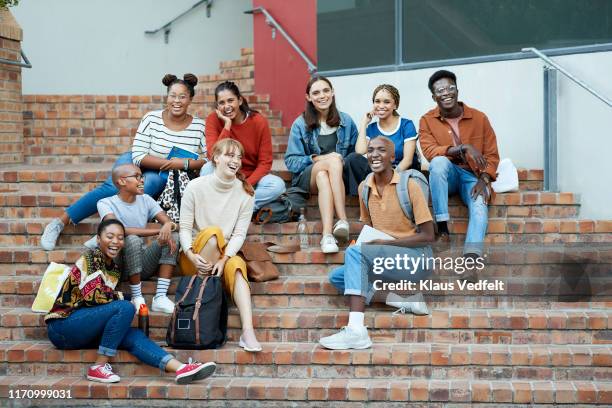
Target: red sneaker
{"x":194,"y":372}
{"x":102,"y":373}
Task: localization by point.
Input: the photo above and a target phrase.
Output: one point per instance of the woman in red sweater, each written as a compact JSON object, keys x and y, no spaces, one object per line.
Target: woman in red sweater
{"x":234,"y":119}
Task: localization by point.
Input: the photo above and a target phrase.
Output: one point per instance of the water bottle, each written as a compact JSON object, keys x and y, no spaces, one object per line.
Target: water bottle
{"x":303,"y":230}
{"x":143,"y":319}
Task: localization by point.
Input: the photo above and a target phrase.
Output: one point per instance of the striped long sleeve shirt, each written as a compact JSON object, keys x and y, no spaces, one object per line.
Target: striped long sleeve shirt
{"x":155,"y":139}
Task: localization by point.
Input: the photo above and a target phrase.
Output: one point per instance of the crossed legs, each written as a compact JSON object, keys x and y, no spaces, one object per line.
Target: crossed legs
{"x":326,"y":179}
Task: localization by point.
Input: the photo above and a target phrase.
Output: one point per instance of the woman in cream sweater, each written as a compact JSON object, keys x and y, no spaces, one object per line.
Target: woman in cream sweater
{"x":220,"y":205}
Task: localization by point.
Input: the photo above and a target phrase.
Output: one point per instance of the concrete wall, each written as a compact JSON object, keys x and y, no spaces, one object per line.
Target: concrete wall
{"x":99,"y":46}
{"x":510,"y":93}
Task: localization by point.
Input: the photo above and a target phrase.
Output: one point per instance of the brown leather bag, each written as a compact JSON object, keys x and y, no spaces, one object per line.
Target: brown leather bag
{"x":260,"y":267}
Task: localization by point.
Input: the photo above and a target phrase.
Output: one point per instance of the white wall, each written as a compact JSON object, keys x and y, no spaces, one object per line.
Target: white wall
{"x":99,"y":46}
{"x":511,"y":94}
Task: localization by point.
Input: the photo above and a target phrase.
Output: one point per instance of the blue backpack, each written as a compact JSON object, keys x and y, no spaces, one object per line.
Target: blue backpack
{"x":402,"y":190}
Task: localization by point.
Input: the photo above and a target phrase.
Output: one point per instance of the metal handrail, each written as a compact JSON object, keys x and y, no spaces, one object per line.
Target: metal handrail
{"x":166,"y":27}
{"x":568,"y":74}
{"x":312,"y":68}
{"x":25,"y":64}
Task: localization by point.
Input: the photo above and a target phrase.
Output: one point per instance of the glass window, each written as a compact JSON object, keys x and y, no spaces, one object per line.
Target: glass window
{"x":444,"y":29}
{"x":355,"y":33}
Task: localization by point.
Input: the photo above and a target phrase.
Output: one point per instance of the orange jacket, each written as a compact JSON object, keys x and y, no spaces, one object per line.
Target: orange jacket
{"x":435,"y":137}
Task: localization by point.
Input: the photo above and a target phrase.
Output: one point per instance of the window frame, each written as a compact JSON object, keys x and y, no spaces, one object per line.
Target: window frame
{"x":399,"y":65}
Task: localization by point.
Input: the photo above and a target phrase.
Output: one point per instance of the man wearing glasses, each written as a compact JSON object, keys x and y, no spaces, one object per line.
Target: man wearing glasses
{"x":461,"y":147}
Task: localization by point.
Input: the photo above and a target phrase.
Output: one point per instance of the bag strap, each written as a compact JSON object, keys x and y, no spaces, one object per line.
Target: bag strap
{"x":189,"y":286}
{"x":365,"y":192}
{"x":263,"y":216}
{"x":177,"y":188}
{"x":176,"y":306}
{"x":196,"y":311}
{"x":403,"y":194}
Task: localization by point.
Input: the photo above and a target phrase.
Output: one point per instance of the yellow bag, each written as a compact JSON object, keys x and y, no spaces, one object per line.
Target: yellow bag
{"x":50,"y":286}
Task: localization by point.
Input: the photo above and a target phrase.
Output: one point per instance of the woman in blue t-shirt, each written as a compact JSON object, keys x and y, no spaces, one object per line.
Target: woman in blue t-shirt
{"x":386,"y":100}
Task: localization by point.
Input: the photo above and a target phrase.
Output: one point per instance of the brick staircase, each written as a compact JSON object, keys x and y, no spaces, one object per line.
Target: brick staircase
{"x":527,"y":350}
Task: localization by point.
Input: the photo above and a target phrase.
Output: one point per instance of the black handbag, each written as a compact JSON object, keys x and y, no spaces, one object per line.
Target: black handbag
{"x":199,"y":320}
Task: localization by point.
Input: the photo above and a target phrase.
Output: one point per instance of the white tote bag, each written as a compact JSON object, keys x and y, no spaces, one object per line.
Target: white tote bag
{"x":507,"y":177}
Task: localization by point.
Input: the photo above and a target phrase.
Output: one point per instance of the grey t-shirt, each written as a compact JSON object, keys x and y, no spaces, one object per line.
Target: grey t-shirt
{"x":131,"y":215}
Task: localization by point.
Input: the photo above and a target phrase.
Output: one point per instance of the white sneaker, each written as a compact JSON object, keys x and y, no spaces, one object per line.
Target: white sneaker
{"x":328,"y":244}
{"x":91,"y":243}
{"x":137,"y":301}
{"x":51,"y":233}
{"x":414,"y":304}
{"x":341,"y":231}
{"x":162,"y":304}
{"x":348,"y":338}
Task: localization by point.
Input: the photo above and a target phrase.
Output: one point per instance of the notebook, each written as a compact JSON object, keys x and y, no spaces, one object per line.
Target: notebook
{"x":369,"y":234}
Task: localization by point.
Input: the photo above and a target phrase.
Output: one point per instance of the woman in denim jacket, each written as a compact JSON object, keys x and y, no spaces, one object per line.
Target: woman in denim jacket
{"x":320,"y":151}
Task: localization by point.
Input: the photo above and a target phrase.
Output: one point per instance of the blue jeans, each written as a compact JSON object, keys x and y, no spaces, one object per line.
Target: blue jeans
{"x":446,"y":178}
{"x":267,"y":189}
{"x":87,"y":205}
{"x":108,"y":328}
{"x":353,"y":278}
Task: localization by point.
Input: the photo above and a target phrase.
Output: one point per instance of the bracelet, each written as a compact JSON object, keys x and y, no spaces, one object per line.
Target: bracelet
{"x":186,"y":166}
{"x":172,"y":227}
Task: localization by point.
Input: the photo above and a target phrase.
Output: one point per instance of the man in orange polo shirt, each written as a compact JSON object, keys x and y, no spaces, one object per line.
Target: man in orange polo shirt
{"x":461,"y":147}
{"x":385,"y":214}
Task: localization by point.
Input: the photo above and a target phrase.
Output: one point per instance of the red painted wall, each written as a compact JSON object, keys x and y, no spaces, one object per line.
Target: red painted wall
{"x":279,"y":69}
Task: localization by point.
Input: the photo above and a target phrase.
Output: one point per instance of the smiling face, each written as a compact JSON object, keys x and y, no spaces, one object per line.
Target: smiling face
{"x":228,"y":163}
{"x":381,"y":153}
{"x":321,"y":95}
{"x":445,"y":93}
{"x":384,"y":104}
{"x":110,"y":241}
{"x":131,"y":179}
{"x":229,"y":104}
{"x":178,"y":100}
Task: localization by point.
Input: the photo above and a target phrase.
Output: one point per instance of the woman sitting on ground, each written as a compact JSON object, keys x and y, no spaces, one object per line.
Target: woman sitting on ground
{"x":400,"y":130}
{"x":320,"y":154}
{"x":158,"y":132}
{"x":233,"y":119}
{"x":221,"y":205}
{"x":89,"y":313}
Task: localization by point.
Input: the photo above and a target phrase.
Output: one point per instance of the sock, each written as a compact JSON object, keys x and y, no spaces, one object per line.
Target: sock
{"x":356,"y":319}
{"x":442,"y":227}
{"x":136,"y":290}
{"x":162,"y":287}
{"x":181,"y":367}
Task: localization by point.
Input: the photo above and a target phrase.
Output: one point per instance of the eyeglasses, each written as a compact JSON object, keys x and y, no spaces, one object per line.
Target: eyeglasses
{"x":447,"y":89}
{"x":138,"y":177}
{"x":181,"y":97}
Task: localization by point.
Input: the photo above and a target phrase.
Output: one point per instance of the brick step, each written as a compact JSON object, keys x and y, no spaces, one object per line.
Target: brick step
{"x":27,"y":231}
{"x":246,"y":85}
{"x":239,"y":70}
{"x":309,"y":360}
{"x":21,"y":173}
{"x":315,"y":292}
{"x":62,"y":119}
{"x":73,"y":153}
{"x":311,"y":392}
{"x":529,"y":326}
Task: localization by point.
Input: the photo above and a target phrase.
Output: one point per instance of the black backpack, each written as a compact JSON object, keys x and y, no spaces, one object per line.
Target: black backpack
{"x":199,"y":320}
{"x":286,"y":208}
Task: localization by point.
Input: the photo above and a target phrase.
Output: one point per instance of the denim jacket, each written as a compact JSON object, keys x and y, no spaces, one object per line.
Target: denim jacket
{"x":304,"y":143}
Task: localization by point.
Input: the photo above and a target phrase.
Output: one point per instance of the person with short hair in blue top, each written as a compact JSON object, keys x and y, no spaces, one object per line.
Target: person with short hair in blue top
{"x":400,"y":130}
{"x":321,"y":148}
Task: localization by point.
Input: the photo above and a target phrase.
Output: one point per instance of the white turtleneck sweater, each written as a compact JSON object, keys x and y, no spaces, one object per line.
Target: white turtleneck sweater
{"x":210,"y":201}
